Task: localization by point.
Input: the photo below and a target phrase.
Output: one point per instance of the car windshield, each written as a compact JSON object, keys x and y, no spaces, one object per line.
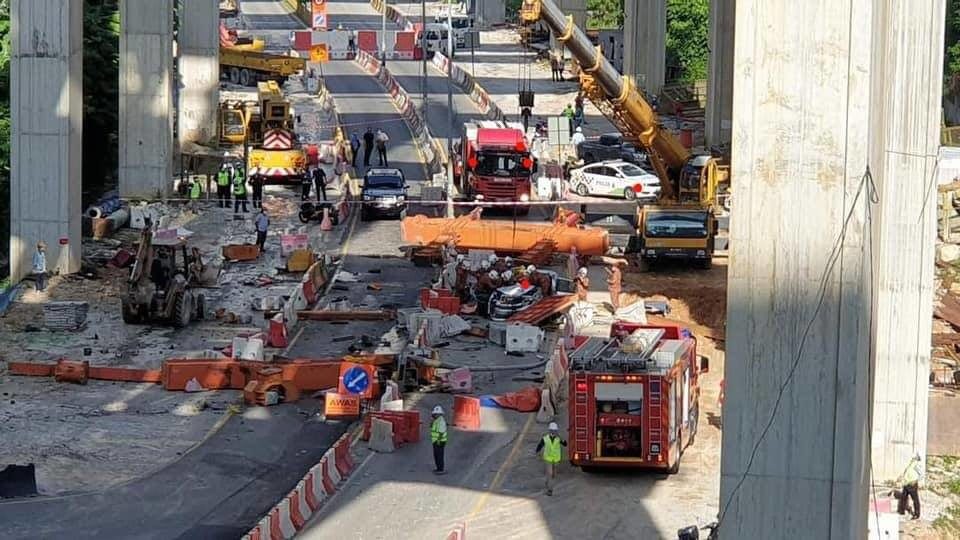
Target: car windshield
{"x":497,"y":164}
{"x":676,"y":225}
{"x":632,"y":170}
{"x":382,"y":182}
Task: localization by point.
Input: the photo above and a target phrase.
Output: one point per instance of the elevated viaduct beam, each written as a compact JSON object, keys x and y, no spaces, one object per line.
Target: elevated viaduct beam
{"x":818,"y":270}
{"x":46,"y":102}
{"x":146,"y":98}
{"x":645,"y":43}
{"x":198,"y":71}
{"x":720,"y":76}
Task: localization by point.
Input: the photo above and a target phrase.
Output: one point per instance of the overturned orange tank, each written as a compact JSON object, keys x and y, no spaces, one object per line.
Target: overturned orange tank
{"x":470,"y":232}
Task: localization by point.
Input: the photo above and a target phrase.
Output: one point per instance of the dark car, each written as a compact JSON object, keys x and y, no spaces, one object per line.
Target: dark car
{"x":511,"y":299}
{"x":610,"y":147}
{"x":384,"y":194}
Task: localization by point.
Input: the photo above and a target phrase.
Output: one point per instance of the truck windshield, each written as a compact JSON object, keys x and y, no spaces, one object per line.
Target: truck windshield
{"x":382,"y":182}
{"x":500,"y":164}
{"x":676,"y":225}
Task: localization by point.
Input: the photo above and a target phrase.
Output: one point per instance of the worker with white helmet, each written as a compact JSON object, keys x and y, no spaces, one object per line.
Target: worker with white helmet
{"x":438,"y":437}
{"x":583,"y":284}
{"x":506,"y":277}
{"x":485,"y":265}
{"x":550,"y":446}
{"x":495,"y":278}
{"x":500,"y":265}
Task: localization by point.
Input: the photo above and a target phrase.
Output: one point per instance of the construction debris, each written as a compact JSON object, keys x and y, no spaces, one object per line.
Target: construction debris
{"x":65,"y":315}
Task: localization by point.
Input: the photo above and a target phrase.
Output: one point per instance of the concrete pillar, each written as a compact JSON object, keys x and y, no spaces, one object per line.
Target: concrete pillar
{"x":720,"y":77}
{"x":146,"y":98}
{"x":905,"y":129}
{"x":828,"y":285}
{"x":645,"y":43}
{"x":46,"y":111}
{"x":199,"y":71}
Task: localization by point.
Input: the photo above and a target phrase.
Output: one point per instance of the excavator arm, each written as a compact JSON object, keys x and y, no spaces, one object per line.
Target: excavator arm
{"x":614,"y":94}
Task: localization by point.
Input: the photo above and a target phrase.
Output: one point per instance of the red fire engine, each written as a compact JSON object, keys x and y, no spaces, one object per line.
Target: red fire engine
{"x":494,"y":163}
{"x":634,"y":398}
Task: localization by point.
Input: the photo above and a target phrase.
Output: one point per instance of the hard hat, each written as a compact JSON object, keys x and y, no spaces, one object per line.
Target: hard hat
{"x":492,"y":258}
{"x":507,"y":274}
{"x":553,"y":426}
{"x":579,"y":130}
{"x":461,"y":257}
{"x":508,"y":260}
{"x":485,"y":264}
{"x":494,"y":275}
{"x":582,"y":271}
{"x":437,"y":410}
{"x":531,"y":269}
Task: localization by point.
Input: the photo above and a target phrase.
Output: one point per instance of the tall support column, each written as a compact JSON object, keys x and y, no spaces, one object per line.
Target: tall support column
{"x":199,"y":71}
{"x":46,"y":109}
{"x":905,"y":104}
{"x":146,"y":98}
{"x":795,"y":416}
{"x":645,"y":43}
{"x":720,"y":77}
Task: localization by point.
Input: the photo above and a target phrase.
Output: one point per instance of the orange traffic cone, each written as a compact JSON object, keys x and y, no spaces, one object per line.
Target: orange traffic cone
{"x":326,"y":224}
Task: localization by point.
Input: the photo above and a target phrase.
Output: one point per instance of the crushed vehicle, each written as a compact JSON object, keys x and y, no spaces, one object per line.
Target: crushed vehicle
{"x":509,"y":300}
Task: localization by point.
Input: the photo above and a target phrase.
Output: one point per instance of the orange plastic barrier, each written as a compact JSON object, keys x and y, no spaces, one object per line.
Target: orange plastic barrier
{"x":406,"y":425}
{"x":469,"y":233}
{"x":343,"y":460}
{"x":466,"y":412}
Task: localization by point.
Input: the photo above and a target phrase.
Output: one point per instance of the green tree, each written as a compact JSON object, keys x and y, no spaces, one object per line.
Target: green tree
{"x":951,"y":57}
{"x":688,"y":23}
{"x":605,"y":14}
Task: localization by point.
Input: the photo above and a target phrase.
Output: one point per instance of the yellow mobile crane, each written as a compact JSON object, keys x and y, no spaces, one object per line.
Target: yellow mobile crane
{"x":683,"y":224}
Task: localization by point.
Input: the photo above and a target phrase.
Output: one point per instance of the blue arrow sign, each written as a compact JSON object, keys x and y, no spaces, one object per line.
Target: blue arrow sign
{"x":355,"y":380}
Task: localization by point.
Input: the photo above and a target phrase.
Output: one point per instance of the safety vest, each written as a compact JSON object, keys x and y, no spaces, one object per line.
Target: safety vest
{"x":239,"y":187}
{"x":912,"y":474}
{"x":438,"y":431}
{"x":195,"y":190}
{"x":223,"y":179}
{"x":551,"y":449}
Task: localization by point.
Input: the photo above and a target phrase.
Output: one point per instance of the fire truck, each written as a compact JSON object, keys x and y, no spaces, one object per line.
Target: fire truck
{"x":494,"y":163}
{"x":634,"y":397}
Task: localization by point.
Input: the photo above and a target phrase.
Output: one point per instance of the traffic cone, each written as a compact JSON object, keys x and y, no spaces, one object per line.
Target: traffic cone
{"x":326,"y":224}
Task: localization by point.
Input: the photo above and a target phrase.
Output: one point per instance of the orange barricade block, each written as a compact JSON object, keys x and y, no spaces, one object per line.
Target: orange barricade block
{"x":328,"y":484}
{"x":277,"y":336}
{"x":466,"y":412}
{"x":343,"y":460}
{"x":309,"y":291}
{"x":296,"y":516}
{"x":71,"y":371}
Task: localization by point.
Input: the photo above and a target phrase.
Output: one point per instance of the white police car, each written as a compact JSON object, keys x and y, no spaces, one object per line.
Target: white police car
{"x":615,"y":179}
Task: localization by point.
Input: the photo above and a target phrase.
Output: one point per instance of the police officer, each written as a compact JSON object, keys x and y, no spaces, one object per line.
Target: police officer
{"x":223,"y":186}
{"x":550,"y":445}
{"x":438,"y":436}
{"x":239,"y":193}
{"x":306,"y":182}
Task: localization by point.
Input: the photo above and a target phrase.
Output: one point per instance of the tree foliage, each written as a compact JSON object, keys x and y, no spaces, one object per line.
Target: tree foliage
{"x":605,"y":14}
{"x":101,"y":35}
{"x":688,"y":46}
{"x":951,"y":57}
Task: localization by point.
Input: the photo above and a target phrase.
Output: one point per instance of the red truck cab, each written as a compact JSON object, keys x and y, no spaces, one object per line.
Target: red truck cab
{"x":494,"y":163}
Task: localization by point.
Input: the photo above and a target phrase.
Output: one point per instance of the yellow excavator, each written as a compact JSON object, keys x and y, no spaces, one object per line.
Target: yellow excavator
{"x":683,"y":224}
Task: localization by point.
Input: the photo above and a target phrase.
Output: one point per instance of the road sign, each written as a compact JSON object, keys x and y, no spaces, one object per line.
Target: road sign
{"x":319,"y":3}
{"x":341,"y":406}
{"x":319,"y":12}
{"x":320,"y":53}
{"x":356,"y":380}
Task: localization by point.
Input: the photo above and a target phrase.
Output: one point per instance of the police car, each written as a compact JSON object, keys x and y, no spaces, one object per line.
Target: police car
{"x":615,"y":179}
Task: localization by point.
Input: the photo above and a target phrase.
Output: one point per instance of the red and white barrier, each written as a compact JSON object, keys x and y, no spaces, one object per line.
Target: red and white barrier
{"x":293,"y":511}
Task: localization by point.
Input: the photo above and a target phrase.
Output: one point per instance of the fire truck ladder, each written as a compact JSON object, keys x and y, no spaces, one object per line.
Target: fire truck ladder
{"x":580,"y":436}
{"x":653,"y":415}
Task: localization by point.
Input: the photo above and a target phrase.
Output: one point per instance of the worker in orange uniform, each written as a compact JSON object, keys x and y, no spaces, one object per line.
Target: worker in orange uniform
{"x":550,"y":446}
{"x":583,"y":284}
{"x":614,"y":284}
{"x":463,"y":274}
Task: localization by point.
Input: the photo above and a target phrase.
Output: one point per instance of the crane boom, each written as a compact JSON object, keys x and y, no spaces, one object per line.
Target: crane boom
{"x":622,"y":94}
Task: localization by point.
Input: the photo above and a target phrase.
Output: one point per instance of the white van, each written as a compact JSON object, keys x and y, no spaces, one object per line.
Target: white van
{"x":435,"y":36}
{"x":461,"y":28}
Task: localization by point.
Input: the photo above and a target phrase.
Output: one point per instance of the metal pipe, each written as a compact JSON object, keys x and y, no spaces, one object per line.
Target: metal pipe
{"x":450,"y":113}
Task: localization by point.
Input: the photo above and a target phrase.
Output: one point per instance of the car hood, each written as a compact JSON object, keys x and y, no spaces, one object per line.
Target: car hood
{"x":382,"y":192}
{"x":513,"y":291}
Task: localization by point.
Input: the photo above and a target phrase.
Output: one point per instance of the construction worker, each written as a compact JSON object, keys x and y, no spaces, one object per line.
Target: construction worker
{"x":40,"y":266}
{"x":368,"y":138}
{"x":577,"y":138}
{"x":568,"y":113}
{"x":539,"y":279}
{"x":239,"y":194}
{"x":223,"y":186}
{"x":506,"y":277}
{"x":583,"y":284}
{"x":485,"y":281}
{"x":256,"y":182}
{"x":195,"y":189}
{"x":504,"y":264}
{"x":438,"y":437}
{"x":614,"y":284}
{"x":910,"y":480}
{"x":262,"y":222}
{"x":463,"y":275}
{"x":550,"y":445}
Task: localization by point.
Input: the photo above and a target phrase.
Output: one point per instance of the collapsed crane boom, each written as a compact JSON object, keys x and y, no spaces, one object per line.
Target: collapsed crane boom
{"x":620,"y":91}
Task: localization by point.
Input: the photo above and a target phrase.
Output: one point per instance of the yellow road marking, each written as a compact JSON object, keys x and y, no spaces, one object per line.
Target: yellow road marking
{"x":502,"y":471}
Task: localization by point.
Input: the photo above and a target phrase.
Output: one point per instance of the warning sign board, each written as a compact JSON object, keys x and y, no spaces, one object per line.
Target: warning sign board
{"x":341,"y":406}
{"x":320,"y":53}
{"x":356,"y":379}
{"x":319,"y":12}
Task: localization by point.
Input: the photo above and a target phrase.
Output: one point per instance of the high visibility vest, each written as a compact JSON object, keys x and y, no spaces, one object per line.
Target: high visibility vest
{"x":438,"y":431}
{"x":195,"y":190}
{"x":223,"y":178}
{"x":551,"y":449}
{"x":239,"y":187}
{"x":911,"y":475}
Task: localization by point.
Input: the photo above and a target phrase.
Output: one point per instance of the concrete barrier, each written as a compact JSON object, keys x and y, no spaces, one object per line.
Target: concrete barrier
{"x":466,"y":83}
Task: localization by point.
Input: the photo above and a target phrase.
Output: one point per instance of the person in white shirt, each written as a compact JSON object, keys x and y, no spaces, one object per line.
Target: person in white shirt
{"x":577,"y":138}
{"x":40,"y":266}
{"x":382,"y":139}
